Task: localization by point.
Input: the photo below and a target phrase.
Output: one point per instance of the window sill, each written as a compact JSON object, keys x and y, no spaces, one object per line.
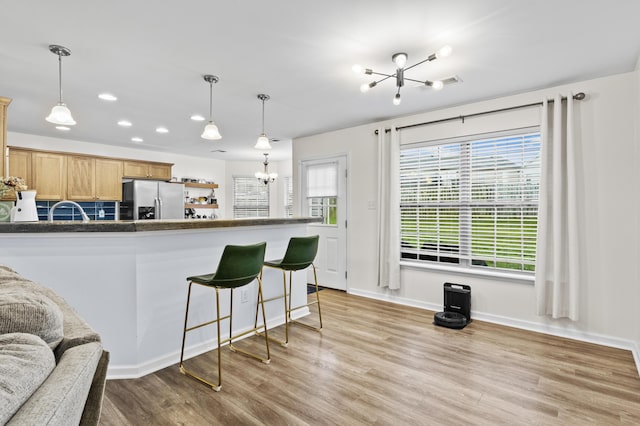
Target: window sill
{"x":475,"y":272}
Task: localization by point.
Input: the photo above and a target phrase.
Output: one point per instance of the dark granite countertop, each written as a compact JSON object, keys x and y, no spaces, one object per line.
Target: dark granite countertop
{"x":143,"y":225}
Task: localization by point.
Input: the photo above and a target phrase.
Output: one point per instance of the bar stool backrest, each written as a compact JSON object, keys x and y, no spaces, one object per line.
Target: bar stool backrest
{"x":300,"y":253}
{"x":239,"y":265}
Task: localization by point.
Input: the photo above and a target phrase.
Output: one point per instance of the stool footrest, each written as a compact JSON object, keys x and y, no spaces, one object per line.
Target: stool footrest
{"x":200,"y":379}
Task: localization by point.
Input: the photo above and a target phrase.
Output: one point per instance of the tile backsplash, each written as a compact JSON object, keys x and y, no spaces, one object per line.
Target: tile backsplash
{"x":96,"y":210}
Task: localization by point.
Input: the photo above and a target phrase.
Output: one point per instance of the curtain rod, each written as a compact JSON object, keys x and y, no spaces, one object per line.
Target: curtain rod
{"x":578,"y":97}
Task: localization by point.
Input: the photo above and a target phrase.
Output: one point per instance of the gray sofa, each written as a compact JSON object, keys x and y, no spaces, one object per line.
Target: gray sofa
{"x":52,"y":364}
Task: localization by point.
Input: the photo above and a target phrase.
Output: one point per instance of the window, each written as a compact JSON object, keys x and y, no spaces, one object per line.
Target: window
{"x":288,"y":196}
{"x":250,"y":197}
{"x":322,"y":191}
{"x":473,"y":202}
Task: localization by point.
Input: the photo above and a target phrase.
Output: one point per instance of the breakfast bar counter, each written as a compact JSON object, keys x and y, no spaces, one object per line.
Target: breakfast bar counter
{"x":128,"y":278}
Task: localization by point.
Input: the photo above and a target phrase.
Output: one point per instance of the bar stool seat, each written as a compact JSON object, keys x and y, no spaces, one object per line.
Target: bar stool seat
{"x":300,"y":254}
{"x":238,"y":266}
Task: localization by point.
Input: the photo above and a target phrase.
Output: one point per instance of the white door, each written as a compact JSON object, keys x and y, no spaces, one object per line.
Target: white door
{"x":324,"y":194}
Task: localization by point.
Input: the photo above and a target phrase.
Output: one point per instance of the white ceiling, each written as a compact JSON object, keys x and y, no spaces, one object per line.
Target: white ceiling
{"x":152,"y":55}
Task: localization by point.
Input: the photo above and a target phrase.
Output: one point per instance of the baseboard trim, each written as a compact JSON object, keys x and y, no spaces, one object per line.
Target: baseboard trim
{"x":116,"y":372}
{"x":599,"y":339}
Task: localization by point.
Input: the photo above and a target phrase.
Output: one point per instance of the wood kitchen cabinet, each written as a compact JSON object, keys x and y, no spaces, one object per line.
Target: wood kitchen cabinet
{"x":146,"y":170}
{"x":49,"y":175}
{"x":4,"y":104}
{"x":20,"y":165}
{"x":91,"y":179}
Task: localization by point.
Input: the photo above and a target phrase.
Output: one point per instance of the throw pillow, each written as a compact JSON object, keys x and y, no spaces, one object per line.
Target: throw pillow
{"x":25,"y":363}
{"x":26,"y":312}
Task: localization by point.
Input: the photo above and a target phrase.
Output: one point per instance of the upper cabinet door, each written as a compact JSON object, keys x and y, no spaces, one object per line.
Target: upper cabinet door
{"x":81,"y":178}
{"x":136,"y":169}
{"x":49,"y":175}
{"x":20,"y":165}
{"x":159,"y":171}
{"x":108,"y":179}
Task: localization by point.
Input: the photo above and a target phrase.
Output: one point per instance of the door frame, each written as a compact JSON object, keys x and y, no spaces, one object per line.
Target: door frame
{"x":301,"y":199}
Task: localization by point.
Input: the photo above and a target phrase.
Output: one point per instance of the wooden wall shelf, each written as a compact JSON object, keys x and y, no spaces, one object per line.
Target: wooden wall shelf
{"x":200,"y":185}
{"x":200,"y":206}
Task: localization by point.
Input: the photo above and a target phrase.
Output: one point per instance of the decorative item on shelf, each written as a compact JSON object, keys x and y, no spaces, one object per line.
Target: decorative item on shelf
{"x":211,"y":131}
{"x":60,"y":114}
{"x":263,"y":140}
{"x":264,"y":176}
{"x":400,"y":60}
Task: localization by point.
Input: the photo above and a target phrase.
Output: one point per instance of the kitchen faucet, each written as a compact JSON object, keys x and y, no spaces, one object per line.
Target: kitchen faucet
{"x":85,"y":218}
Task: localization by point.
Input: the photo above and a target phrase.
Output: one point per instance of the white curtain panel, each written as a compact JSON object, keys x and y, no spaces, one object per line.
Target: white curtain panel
{"x":388,"y":210}
{"x":557,"y":266}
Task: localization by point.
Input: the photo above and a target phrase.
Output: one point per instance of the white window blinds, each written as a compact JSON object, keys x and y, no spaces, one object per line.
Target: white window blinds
{"x":250,"y":197}
{"x":322,"y":180}
{"x":473,"y":203}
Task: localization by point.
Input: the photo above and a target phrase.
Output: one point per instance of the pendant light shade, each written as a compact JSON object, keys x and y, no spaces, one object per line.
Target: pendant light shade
{"x":263,"y":140}
{"x":60,"y":114}
{"x":211,"y":131}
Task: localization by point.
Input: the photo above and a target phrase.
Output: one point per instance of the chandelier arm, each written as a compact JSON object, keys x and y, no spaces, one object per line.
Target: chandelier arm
{"x":429,"y":59}
{"x":415,"y":81}
{"x":386,"y":75}
{"x":386,"y":78}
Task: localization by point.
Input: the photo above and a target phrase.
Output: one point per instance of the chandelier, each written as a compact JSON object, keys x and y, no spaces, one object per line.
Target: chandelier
{"x":400,"y":61}
{"x":264,"y":176}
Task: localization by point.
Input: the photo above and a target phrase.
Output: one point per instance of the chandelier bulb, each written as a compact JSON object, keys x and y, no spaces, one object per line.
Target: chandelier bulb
{"x":397,"y":99}
{"x":437,"y":85}
{"x":400,"y":59}
{"x":444,"y":51}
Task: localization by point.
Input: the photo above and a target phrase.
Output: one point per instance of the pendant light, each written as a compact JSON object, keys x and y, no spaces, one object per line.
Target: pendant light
{"x":60,"y":114}
{"x":263,"y":140}
{"x":211,"y":131}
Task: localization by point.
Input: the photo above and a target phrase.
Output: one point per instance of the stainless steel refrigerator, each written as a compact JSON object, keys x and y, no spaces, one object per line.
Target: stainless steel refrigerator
{"x":148,"y":199}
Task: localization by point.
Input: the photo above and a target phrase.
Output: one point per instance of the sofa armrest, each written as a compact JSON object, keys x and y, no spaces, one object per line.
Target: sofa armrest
{"x":60,"y":400}
{"x":93,"y":407}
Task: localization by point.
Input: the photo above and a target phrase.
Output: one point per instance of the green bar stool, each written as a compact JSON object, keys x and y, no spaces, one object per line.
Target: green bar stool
{"x":239,"y":266}
{"x":300,"y":254}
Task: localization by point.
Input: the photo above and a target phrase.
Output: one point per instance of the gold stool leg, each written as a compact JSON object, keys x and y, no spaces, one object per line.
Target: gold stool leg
{"x":183,"y":370}
{"x":315,"y":302}
{"x":260,"y":301}
{"x":284,"y":342}
{"x":184,"y":331}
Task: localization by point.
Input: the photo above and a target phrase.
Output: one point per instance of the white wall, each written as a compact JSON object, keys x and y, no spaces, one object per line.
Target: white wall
{"x":184,"y":166}
{"x":277,"y":189}
{"x":610,"y":288}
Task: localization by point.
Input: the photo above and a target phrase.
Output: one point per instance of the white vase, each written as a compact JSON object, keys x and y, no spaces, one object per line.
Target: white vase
{"x":25,"y":209}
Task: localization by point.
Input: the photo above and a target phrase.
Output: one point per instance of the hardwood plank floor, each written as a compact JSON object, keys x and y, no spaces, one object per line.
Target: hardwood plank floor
{"x":381,"y":363}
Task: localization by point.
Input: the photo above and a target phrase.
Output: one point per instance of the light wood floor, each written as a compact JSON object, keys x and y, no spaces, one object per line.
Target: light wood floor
{"x":380,"y":363}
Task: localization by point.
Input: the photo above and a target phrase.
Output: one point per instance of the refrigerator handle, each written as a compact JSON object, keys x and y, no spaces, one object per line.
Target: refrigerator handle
{"x":157,"y":204}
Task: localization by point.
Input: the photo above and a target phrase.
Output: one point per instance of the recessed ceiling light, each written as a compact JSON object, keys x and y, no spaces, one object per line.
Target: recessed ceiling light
{"x":137,"y":139}
{"x":197,"y":117}
{"x":124,"y":123}
{"x":65,"y":128}
{"x":162,"y":130}
{"x":107,"y":97}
